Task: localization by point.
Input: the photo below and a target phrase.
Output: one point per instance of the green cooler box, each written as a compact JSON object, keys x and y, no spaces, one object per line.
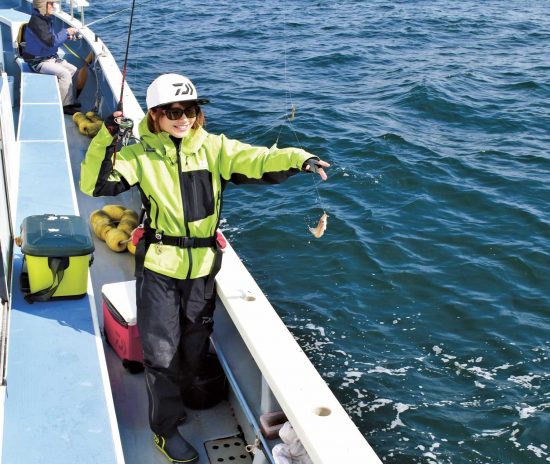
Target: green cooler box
{"x":58,"y":252}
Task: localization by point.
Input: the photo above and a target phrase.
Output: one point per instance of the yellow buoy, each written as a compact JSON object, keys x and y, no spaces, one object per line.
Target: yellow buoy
{"x":117,"y":240}
{"x":87,"y":125}
{"x":93,"y":117}
{"x":131,"y":247}
{"x":128,"y":222}
{"x":115,"y":212}
{"x":126,"y":227}
{"x":78,"y":117}
{"x":101,"y":223}
{"x":114,"y":225}
{"x":105,"y":230}
{"x":130,"y":214}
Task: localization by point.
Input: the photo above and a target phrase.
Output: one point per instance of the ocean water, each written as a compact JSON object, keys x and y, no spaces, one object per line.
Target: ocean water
{"x":425,"y":305}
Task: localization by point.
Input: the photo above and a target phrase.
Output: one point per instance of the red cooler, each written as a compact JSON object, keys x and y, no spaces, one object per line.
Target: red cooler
{"x":119,"y":323}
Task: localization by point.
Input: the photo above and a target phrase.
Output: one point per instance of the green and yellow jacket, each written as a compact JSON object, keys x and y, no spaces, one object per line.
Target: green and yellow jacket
{"x":181,"y":185}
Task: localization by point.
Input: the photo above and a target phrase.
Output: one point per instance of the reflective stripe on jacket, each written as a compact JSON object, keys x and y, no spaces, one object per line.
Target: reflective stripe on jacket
{"x":181,"y":188}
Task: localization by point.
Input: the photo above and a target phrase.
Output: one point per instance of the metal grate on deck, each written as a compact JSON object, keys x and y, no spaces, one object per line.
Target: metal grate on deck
{"x":229,"y":450}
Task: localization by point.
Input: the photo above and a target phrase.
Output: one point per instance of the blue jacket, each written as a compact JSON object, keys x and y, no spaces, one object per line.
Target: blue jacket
{"x":41,"y":40}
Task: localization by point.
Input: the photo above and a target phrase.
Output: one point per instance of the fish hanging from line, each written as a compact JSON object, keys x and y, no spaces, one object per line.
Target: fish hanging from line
{"x":292,"y":114}
{"x":321,"y":227}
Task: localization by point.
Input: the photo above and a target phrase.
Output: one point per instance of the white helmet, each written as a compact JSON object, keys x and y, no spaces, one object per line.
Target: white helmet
{"x":171,"y":88}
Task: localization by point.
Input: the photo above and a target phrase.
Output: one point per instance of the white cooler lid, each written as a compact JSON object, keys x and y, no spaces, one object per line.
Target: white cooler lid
{"x":122,"y":295}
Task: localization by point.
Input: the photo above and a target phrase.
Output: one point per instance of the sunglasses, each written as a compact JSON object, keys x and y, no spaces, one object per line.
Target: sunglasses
{"x":176,"y":113}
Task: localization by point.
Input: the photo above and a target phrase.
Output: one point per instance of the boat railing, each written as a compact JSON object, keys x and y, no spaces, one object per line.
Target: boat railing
{"x":7,"y":148}
{"x":321,"y":423}
{"x":79,"y":5}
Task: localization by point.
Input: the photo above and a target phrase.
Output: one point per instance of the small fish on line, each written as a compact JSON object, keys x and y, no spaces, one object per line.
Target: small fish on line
{"x":321,"y":227}
{"x":292,"y":113}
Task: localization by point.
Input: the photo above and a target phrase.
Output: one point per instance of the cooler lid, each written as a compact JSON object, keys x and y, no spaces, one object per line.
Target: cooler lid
{"x":122,"y":295}
{"x":56,"y":235}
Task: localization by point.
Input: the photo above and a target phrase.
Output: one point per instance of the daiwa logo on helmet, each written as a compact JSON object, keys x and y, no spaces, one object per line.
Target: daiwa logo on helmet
{"x":180,"y":91}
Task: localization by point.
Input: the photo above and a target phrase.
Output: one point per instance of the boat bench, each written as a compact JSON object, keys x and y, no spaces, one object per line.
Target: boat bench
{"x":23,"y":65}
{"x":59,"y":406}
{"x":11,"y":22}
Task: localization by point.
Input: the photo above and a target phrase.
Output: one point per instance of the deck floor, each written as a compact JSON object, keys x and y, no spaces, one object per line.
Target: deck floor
{"x":129,"y":392}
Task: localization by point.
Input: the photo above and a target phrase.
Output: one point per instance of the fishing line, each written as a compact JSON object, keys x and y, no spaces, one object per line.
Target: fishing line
{"x":138,"y":55}
{"x":289,"y":113}
{"x":288,"y":94}
{"x":282,"y":116}
{"x":289,"y":103}
{"x":115,"y":13}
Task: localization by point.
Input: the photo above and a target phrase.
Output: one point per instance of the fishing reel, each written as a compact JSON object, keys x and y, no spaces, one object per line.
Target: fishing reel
{"x":126,"y":125}
{"x":76,"y":36}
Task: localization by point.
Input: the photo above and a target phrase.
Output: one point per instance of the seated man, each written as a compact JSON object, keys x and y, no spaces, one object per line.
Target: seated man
{"x":41,"y":50}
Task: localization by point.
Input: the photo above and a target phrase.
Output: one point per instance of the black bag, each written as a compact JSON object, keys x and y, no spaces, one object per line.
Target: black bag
{"x":57,"y":267}
{"x":209,"y":387}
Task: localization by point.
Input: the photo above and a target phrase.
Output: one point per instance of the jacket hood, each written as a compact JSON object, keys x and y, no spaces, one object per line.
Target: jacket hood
{"x":162,"y":142}
{"x":41,"y":5}
{"x":37,"y":13}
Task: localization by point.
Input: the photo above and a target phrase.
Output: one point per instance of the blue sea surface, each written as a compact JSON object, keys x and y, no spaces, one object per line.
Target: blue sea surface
{"x":425,"y":306}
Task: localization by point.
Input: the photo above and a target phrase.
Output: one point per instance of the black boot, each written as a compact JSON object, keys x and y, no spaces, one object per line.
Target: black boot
{"x":69,"y":109}
{"x":72,"y":108}
{"x":176,"y":448}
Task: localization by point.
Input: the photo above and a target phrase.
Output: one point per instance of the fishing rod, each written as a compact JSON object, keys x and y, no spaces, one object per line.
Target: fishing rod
{"x":119,"y":107}
{"x":125,"y":124}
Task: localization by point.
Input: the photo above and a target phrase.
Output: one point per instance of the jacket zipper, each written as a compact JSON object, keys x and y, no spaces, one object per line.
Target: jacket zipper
{"x":183,"y":202}
{"x":151,"y":202}
{"x":194,"y":187}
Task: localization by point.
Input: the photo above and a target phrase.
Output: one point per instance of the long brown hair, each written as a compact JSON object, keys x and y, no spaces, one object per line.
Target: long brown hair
{"x":153,"y":121}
